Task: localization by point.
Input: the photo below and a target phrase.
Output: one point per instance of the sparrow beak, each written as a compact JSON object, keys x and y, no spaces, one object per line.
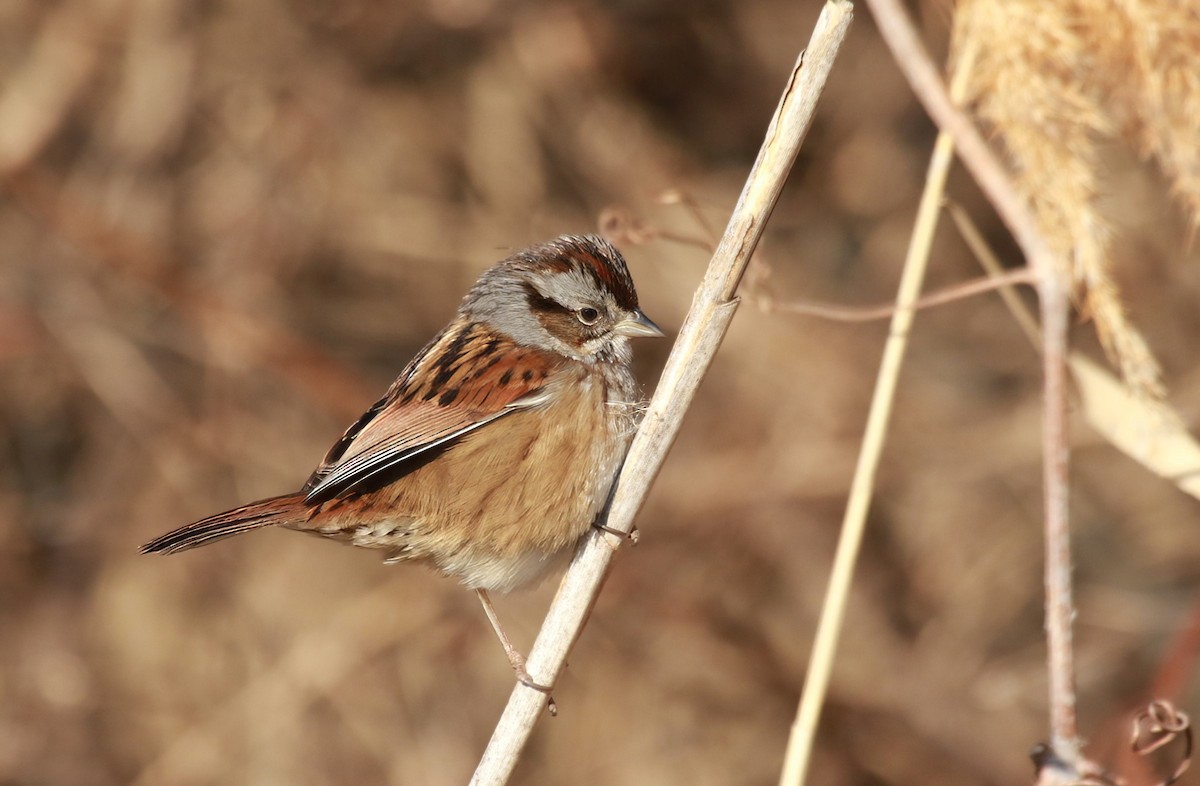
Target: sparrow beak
{"x":638,"y":324}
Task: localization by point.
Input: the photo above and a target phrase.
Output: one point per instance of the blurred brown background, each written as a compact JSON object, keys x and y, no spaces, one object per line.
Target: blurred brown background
{"x":225,"y":227}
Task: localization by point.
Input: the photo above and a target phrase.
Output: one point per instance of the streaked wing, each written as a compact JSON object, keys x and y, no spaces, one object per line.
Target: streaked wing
{"x":465,"y":379}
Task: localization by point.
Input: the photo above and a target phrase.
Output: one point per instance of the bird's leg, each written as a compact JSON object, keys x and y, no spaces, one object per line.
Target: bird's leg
{"x":631,"y":536}
{"x":515,"y":658}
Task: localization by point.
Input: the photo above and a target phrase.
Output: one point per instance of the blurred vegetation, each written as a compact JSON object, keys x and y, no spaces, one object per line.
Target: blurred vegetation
{"x":226,"y":226}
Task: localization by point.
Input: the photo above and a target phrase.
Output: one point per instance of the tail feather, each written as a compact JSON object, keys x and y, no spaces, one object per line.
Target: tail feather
{"x":267,"y":512}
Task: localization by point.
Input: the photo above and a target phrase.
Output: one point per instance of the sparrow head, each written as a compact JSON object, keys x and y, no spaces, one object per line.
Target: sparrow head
{"x":572,"y":295}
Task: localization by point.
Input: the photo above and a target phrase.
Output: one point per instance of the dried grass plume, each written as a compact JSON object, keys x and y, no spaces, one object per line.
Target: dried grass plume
{"x":1055,"y":82}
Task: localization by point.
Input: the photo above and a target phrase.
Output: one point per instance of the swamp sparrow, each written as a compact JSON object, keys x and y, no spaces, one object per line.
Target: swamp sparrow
{"x":496,"y":448}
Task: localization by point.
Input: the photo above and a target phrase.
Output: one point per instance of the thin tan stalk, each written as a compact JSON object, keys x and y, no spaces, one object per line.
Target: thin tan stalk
{"x":712,"y":310}
{"x":820,"y":666}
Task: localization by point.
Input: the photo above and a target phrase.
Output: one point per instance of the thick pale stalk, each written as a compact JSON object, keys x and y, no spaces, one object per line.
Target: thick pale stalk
{"x":712,"y":309}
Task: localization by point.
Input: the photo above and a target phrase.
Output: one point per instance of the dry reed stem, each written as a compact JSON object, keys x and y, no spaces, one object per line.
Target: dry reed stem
{"x":816,"y":682}
{"x":712,"y":310}
{"x":1144,"y":429}
{"x":1053,"y":291}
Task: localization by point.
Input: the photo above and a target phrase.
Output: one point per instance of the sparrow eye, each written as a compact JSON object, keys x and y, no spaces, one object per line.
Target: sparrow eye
{"x":588,"y":315}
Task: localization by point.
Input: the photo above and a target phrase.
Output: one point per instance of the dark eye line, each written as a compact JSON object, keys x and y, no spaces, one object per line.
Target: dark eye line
{"x":540,"y":303}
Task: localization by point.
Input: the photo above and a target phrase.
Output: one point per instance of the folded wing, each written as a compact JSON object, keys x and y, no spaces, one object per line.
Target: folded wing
{"x":465,"y":379}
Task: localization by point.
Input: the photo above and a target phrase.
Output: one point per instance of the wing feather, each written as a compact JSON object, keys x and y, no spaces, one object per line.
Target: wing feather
{"x":465,"y":379}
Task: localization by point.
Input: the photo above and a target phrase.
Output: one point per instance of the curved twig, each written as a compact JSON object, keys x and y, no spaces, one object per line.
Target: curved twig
{"x":1053,"y":291}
